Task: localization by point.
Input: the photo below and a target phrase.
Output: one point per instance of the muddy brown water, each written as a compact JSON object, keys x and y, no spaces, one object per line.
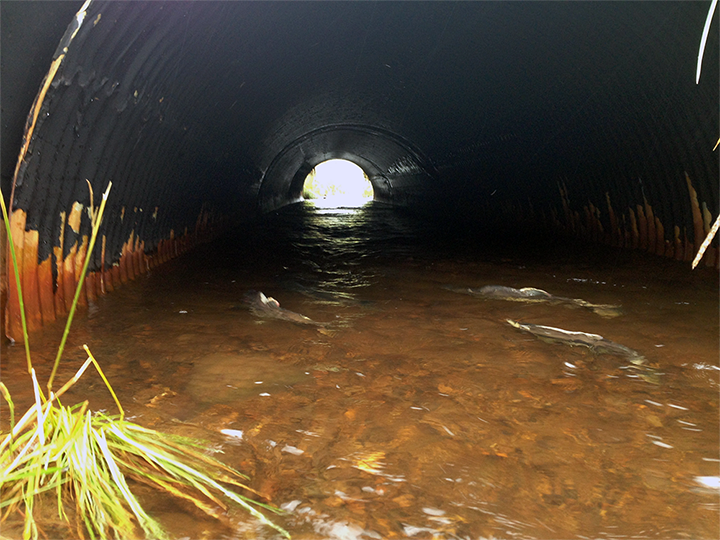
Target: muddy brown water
{"x":416,"y":412}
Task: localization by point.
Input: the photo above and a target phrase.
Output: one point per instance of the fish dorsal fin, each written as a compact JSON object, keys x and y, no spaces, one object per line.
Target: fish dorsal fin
{"x":269,"y":300}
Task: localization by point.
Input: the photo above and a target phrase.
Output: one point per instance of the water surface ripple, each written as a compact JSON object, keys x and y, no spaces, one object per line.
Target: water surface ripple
{"x":417,"y":412}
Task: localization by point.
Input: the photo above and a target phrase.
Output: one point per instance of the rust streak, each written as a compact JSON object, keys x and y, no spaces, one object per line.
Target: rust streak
{"x":689,"y":250}
{"x":123,"y":264}
{"x":45,"y":282}
{"x":660,"y":237}
{"x":108,"y":280}
{"x":46,"y":300}
{"x":679,"y":248}
{"x":90,"y":287}
{"x":115,"y":272}
{"x":651,"y":232}
{"x":698,"y":227}
{"x":69,"y":278}
{"x":614,"y":228}
{"x":642,"y":226}
{"x":13,"y":328}
{"x":165,"y":252}
{"x":80,"y":255}
{"x":102,"y":266}
{"x":30,"y":291}
{"x":137,"y":253}
{"x":129,"y":255}
{"x":141,"y":258}
{"x":635,"y":236}
{"x":69,"y":282}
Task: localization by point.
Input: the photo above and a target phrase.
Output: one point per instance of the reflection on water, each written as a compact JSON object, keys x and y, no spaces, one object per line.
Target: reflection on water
{"x":417,"y":412}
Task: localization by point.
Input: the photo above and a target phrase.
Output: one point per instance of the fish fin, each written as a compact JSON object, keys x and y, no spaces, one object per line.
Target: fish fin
{"x":269,"y":300}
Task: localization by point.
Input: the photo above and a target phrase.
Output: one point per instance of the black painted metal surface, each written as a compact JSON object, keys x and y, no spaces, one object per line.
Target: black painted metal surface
{"x":450,"y":107}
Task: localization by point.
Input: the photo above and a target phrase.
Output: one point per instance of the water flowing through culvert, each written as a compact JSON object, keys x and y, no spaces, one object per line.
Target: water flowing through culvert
{"x":414,"y":411}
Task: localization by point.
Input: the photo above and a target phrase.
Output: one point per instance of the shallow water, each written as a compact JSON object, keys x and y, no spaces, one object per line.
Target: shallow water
{"x":417,"y":412}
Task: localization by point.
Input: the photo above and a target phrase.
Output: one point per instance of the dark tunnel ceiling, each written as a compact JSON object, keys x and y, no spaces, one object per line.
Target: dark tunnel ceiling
{"x":450,"y":107}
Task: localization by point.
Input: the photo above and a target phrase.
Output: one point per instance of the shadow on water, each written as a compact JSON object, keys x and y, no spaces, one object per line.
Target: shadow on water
{"x":416,"y":412}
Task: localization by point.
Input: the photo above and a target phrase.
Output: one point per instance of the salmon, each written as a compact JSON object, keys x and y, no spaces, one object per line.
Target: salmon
{"x":594,"y":342}
{"x":269,"y":308}
{"x":532,"y":295}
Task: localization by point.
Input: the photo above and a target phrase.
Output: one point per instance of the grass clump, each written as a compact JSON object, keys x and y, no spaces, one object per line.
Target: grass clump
{"x":85,"y":458}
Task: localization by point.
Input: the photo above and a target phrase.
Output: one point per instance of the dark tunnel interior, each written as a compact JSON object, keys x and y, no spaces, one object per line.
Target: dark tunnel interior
{"x":581,"y":119}
{"x":510,"y":339}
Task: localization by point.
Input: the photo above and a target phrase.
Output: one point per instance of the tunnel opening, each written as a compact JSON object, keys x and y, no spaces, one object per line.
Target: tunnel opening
{"x":338,"y":183}
{"x":398,"y":170}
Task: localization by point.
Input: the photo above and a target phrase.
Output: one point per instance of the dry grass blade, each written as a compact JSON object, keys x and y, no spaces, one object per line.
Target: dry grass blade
{"x":706,"y":243}
{"x":703,"y":39}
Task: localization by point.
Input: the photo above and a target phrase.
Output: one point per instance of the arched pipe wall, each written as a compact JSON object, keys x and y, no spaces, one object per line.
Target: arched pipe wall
{"x":582,"y":117}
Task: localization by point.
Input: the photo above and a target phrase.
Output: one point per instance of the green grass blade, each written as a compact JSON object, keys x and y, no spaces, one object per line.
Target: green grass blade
{"x":96,"y":221}
{"x":107,"y":383}
{"x":198,"y":477}
{"x":11,"y":245}
{"x":8,"y":399}
{"x":149,"y":525}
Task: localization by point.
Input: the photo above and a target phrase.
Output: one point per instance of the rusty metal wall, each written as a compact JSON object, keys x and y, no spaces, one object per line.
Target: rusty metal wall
{"x":581,"y":117}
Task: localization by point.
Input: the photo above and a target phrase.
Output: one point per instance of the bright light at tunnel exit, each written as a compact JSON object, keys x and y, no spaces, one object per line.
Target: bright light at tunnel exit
{"x":338,"y":183}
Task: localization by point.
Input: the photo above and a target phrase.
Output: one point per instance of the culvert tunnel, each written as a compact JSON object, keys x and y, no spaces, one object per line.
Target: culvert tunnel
{"x":580,"y":118}
{"x":385,"y":405}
